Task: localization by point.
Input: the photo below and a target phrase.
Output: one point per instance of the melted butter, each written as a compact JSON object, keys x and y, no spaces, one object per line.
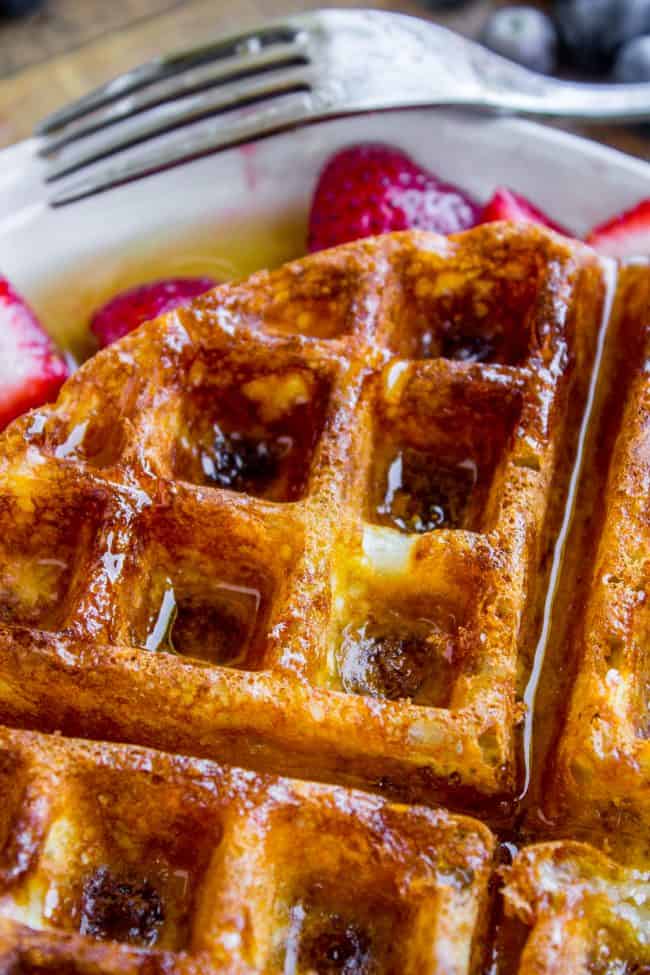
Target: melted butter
{"x":66,"y":301}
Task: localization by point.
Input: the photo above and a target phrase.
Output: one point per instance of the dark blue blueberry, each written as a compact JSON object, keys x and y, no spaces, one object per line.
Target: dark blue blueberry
{"x":522,"y":34}
{"x":592,"y":31}
{"x":633,"y":61}
{"x":18,"y":8}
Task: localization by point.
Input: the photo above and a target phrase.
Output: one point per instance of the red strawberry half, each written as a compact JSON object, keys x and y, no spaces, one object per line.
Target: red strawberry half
{"x":131,"y":308}
{"x":508,"y":205}
{"x":375,"y":189}
{"x":31,"y":370}
{"x":627,"y":235}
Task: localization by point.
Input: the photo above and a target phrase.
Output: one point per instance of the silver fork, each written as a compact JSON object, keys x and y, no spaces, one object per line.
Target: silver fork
{"x":291,"y":72}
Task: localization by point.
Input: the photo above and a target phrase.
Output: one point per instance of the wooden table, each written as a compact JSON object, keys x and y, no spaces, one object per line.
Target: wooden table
{"x":74,"y":45}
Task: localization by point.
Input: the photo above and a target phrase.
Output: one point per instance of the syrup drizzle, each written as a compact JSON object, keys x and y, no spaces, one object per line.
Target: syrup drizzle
{"x":292,"y":949}
{"x":160,"y":637}
{"x":530,"y":694}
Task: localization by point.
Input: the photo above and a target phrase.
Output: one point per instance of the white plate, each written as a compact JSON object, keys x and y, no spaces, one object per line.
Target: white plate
{"x":245,"y":208}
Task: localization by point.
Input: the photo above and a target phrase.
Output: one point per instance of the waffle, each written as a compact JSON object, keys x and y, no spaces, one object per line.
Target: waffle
{"x":125,"y":860}
{"x":600,"y":771}
{"x":582,"y":912}
{"x":303,"y":524}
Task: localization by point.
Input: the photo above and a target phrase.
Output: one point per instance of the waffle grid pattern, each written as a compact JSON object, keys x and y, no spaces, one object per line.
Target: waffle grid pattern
{"x":304,"y":526}
{"x":360,"y":651}
{"x":221,"y":868}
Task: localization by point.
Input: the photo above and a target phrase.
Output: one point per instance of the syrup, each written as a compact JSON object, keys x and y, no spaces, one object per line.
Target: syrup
{"x":552,"y":593}
{"x":66,"y":302}
{"x":260,"y":446}
{"x":331,"y":942}
{"x":120,"y":908}
{"x":421,"y":494}
{"x":160,"y":635}
{"x":336,"y":947}
{"x":456,"y":345}
{"x":396,"y":659}
{"x":468,"y":348}
{"x":243,"y":463}
{"x":216,"y":626}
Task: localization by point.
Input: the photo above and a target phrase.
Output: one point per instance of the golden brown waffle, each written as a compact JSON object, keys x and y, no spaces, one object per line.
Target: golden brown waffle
{"x":306,"y":526}
{"x":586,"y":915}
{"x":600,"y":772}
{"x":118,"y":859}
{"x":254,"y":482}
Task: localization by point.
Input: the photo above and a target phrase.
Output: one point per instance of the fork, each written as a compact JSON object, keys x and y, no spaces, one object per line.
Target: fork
{"x":291,"y":72}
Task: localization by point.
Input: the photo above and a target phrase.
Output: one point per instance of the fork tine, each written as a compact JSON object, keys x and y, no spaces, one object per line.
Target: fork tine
{"x":242,"y":125}
{"x":165,"y":67}
{"x":174,"y":115}
{"x":168,"y":89}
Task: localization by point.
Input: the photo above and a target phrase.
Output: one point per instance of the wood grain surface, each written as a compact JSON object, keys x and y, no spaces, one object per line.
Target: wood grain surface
{"x":71,"y":46}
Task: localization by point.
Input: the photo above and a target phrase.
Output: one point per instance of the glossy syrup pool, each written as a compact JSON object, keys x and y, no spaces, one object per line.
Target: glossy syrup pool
{"x":342,"y":938}
{"x":417,"y":492}
{"x":65,"y":303}
{"x":331,"y":945}
{"x":216,"y":623}
{"x":242,"y":463}
{"x":121,"y":908}
{"x":235,"y":436}
{"x":397,"y":658}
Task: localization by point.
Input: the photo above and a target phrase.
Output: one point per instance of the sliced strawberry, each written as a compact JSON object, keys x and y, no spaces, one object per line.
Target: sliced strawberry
{"x":508,"y":205}
{"x":627,"y":235}
{"x":375,"y":189}
{"x":31,"y":370}
{"x":131,"y":308}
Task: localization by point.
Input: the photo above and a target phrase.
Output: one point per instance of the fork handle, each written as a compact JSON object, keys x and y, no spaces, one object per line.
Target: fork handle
{"x":509,"y":88}
{"x":448,"y":69}
{"x":579,"y":102}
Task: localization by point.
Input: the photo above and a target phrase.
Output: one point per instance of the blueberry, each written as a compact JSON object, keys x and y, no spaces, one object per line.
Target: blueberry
{"x":18,"y":8}
{"x":633,"y":61}
{"x":522,"y":34}
{"x":591,"y":31}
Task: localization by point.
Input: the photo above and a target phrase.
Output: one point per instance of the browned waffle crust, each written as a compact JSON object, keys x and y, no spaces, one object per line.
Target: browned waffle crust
{"x":224,"y":870}
{"x":600,"y":770}
{"x":583,"y":913}
{"x":354,"y":650}
{"x":306,"y":526}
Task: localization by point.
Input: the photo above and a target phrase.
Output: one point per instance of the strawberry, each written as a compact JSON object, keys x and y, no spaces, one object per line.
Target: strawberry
{"x":508,"y":205}
{"x":131,"y":308}
{"x":627,"y":235}
{"x":31,"y":370}
{"x":375,"y":189}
